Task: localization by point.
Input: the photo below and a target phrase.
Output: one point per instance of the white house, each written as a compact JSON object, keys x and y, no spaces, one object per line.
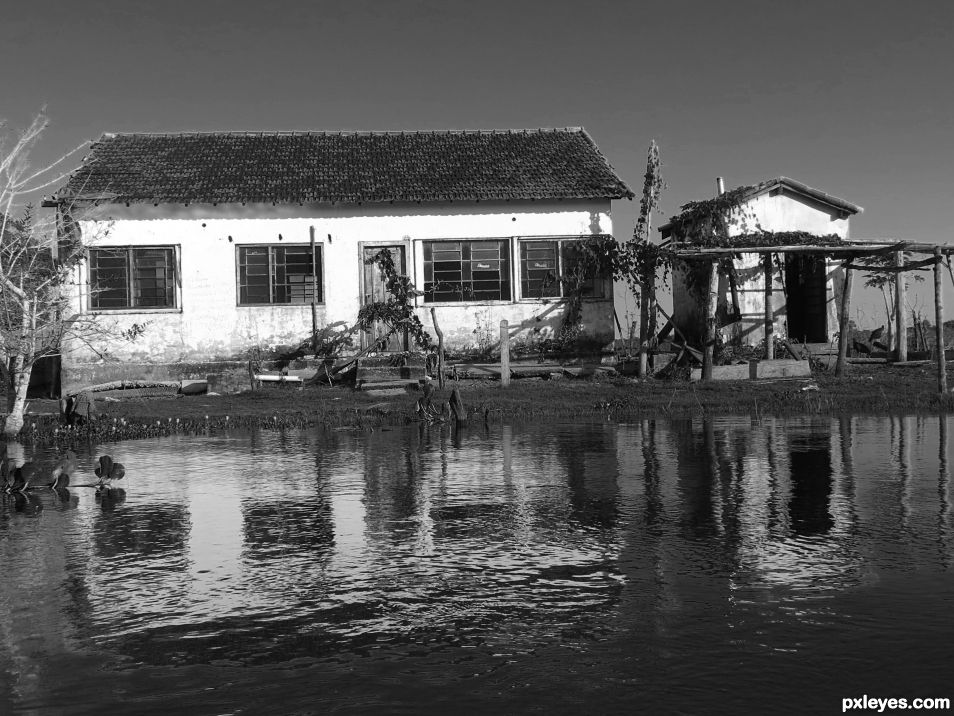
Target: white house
{"x":805,"y":288}
{"x":206,"y":239}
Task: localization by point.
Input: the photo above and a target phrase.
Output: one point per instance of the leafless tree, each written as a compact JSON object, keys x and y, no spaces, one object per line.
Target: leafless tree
{"x":38,"y":260}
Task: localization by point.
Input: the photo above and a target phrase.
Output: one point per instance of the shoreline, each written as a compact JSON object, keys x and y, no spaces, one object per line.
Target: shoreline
{"x":876,"y":390}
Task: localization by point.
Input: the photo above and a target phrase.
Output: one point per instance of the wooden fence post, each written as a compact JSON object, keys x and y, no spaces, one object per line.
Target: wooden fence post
{"x":939,"y":322}
{"x":843,"y":325}
{"x":504,"y":353}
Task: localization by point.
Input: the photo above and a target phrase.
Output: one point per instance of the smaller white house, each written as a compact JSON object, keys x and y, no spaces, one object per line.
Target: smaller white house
{"x":805,"y":288}
{"x":224,"y":243}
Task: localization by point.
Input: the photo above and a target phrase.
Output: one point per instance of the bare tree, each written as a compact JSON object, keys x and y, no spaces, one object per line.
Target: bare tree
{"x":38,"y":260}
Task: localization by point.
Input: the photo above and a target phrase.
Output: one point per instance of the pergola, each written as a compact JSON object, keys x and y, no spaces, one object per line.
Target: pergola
{"x":849,"y":250}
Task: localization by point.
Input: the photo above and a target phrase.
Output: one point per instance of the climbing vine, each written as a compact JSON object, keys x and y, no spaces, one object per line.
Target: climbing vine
{"x":397,"y":311}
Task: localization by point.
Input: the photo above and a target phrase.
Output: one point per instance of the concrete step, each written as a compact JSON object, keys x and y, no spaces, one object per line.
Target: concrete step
{"x":388,"y":372}
{"x":388,"y":384}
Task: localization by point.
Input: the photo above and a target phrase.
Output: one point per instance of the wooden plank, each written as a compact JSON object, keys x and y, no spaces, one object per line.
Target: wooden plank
{"x":273,"y":378}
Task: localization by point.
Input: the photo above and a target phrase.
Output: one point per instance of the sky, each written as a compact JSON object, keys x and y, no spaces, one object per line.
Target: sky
{"x":852,"y":97}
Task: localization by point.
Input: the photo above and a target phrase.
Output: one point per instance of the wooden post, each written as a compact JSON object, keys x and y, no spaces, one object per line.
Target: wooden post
{"x":643,"y":329}
{"x":843,"y":325}
{"x":651,"y":323}
{"x":504,"y":353}
{"x":769,"y":309}
{"x":900,"y":320}
{"x":457,"y":407}
{"x":712,"y":302}
{"x":939,"y":322}
{"x":314,"y":295}
{"x":440,"y":348}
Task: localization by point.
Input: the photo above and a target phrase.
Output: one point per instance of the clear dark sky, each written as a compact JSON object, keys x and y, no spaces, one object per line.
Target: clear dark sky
{"x":854,"y":97}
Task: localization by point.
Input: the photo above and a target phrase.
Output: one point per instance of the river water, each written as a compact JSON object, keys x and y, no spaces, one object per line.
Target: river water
{"x":725,"y":566}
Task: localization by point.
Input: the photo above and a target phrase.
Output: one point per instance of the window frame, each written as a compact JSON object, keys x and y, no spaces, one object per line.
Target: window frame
{"x":505,"y":273}
{"x":560,"y":241}
{"x":129,"y":250}
{"x":318,"y":263}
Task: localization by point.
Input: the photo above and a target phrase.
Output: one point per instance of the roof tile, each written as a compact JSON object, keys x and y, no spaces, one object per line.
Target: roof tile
{"x":346,"y":167}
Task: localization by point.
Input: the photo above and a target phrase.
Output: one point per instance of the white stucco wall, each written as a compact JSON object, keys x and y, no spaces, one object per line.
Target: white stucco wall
{"x":209,"y":325}
{"x":768,"y":212}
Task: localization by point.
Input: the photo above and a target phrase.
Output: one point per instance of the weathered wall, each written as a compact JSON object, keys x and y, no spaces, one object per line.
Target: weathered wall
{"x":208,"y":325}
{"x":780,"y":212}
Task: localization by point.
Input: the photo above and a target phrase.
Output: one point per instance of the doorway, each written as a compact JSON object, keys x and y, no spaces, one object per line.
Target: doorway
{"x":375,"y":290}
{"x":806,"y":298}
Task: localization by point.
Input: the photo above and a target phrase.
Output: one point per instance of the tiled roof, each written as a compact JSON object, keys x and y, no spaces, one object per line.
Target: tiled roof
{"x":346,"y":167}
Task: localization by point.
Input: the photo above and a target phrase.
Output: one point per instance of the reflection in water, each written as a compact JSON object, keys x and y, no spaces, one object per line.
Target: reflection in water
{"x":811,"y":476}
{"x":642,"y":558}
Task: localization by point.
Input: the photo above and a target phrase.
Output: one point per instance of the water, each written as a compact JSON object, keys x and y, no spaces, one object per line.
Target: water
{"x":663,"y":567}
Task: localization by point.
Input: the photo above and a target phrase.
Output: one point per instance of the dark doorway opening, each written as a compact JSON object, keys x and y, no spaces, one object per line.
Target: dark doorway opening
{"x":806,"y":298}
{"x":45,"y":378}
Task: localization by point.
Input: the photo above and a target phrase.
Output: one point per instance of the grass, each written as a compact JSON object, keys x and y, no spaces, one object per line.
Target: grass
{"x":877,"y":390}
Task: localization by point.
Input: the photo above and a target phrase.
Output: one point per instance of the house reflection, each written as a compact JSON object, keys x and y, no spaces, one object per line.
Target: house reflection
{"x":811,"y":479}
{"x":343,"y":539}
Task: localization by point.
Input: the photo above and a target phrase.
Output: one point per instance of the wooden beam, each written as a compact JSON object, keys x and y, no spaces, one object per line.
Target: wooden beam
{"x":900,"y":320}
{"x":911,"y":266}
{"x":843,"y":325}
{"x":684,"y":250}
{"x":939,"y":324}
{"x":769,"y":309}
{"x":687,"y":251}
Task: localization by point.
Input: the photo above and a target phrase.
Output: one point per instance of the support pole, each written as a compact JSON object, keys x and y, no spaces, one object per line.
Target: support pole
{"x":939,"y":323}
{"x":314,"y":295}
{"x":712,"y":301}
{"x":900,"y":320}
{"x":843,"y":325}
{"x":643,"y":329}
{"x":504,"y":353}
{"x":769,"y":309}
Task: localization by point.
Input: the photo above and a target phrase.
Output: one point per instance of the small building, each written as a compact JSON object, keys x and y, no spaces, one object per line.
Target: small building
{"x":805,"y":286}
{"x":216,"y":245}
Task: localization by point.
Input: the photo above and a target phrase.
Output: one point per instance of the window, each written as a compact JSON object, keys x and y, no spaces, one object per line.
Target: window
{"x":547,"y":266}
{"x":278,"y":274}
{"x":124,"y":277}
{"x":477,"y":270}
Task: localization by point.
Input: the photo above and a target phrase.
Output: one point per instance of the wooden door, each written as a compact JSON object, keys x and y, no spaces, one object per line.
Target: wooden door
{"x":375,"y":290}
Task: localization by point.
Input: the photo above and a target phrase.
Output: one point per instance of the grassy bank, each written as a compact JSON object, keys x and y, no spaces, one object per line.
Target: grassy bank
{"x":867,"y":390}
